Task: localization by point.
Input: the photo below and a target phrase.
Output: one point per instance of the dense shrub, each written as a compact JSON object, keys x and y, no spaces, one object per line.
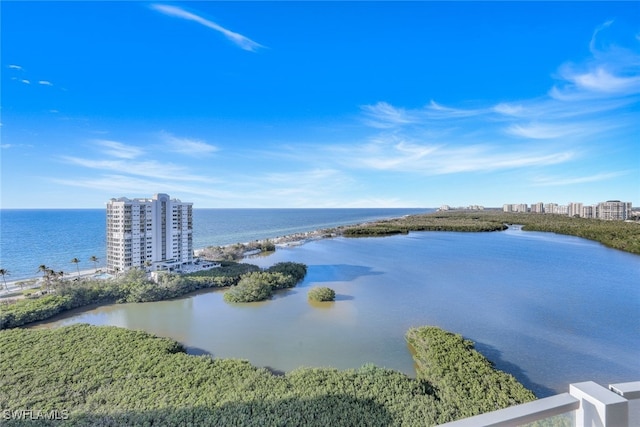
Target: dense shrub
{"x":296,"y":270}
{"x":267,"y":246}
{"x":139,"y":379}
{"x":464,"y":380}
{"x":252,"y":287}
{"x":321,"y":293}
{"x":258,"y":286}
{"x":31,"y":310}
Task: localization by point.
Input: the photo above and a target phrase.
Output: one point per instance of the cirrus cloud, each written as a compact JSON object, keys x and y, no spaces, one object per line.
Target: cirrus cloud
{"x":241,"y":41}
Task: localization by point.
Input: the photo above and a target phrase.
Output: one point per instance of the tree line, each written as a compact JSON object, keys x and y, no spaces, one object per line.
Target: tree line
{"x":620,"y":235}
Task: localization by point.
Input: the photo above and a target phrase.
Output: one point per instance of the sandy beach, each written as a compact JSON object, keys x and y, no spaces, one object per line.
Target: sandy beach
{"x":37,"y":280}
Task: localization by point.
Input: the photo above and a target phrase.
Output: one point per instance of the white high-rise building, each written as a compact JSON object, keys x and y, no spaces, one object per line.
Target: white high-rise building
{"x":154,"y":233}
{"x":574,"y":209}
{"x":589,"y":211}
{"x":537,"y":207}
{"x":614,"y":210}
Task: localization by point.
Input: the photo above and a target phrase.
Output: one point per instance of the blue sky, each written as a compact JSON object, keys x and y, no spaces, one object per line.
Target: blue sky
{"x":320,"y":104}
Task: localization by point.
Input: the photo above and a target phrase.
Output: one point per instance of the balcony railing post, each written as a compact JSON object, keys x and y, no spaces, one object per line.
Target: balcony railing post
{"x":631,"y":392}
{"x":599,"y":407}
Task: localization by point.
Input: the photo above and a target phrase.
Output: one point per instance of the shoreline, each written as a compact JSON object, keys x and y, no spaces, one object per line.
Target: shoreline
{"x":283,"y":241}
{"x":35,"y":282}
{"x":526,"y":221}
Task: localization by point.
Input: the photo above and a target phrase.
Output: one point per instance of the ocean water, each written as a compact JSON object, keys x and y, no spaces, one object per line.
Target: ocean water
{"x":32,"y":237}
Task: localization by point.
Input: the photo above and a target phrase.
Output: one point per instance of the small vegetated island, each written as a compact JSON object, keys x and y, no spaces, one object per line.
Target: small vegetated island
{"x":259,"y":285}
{"x":321,"y":294}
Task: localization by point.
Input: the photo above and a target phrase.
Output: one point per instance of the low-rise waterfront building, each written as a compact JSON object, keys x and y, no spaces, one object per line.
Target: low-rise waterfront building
{"x":155,"y":233}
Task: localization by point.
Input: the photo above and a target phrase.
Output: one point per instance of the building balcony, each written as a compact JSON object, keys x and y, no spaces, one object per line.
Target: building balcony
{"x":587,"y":404}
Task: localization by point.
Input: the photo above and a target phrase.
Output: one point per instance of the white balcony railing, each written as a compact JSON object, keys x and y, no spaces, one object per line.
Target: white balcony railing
{"x":591,"y":405}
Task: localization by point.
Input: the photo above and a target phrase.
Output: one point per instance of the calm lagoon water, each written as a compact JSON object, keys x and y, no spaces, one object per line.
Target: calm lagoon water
{"x":549,"y":309}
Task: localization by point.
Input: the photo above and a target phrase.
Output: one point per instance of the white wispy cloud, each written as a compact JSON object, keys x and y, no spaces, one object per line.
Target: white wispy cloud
{"x":538,"y":132}
{"x":611,"y":71}
{"x":299,"y":188}
{"x":562,"y":181}
{"x":384,"y":115}
{"x":594,"y":39}
{"x":238,"y":39}
{"x":119,"y":150}
{"x":187,"y":146}
{"x":447,"y":159}
{"x":552,"y":131}
{"x":118,"y":184}
{"x":12,"y":146}
{"x":14,"y":67}
{"x":509,"y":109}
{"x":45,"y":83}
{"x":595,"y":82}
{"x":147,"y":168}
{"x":439,"y":111}
{"x":25,"y":81}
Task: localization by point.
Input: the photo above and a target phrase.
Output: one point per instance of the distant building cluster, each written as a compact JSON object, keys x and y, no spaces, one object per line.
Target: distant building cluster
{"x":466,"y":208}
{"x":609,"y":210}
{"x":154,"y":234}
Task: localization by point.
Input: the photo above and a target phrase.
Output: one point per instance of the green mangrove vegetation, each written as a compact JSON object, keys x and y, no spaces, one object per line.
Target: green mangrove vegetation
{"x":259,"y":286}
{"x":426,"y":222}
{"x":614,"y":234}
{"x":321,"y":293}
{"x":133,"y":286}
{"x":452,"y":366}
{"x":110,"y":376}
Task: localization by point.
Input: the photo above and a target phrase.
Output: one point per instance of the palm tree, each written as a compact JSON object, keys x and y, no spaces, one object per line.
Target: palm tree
{"x":4,"y":272}
{"x":57,"y":277}
{"x":94,"y":260}
{"x":76,"y":261}
{"x":45,"y":274}
{"x":54,"y":277}
{"x":49,"y":275}
{"x":43,"y":268}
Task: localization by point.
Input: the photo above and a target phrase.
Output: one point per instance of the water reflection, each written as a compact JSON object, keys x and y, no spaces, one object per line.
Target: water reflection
{"x":338,"y":273}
